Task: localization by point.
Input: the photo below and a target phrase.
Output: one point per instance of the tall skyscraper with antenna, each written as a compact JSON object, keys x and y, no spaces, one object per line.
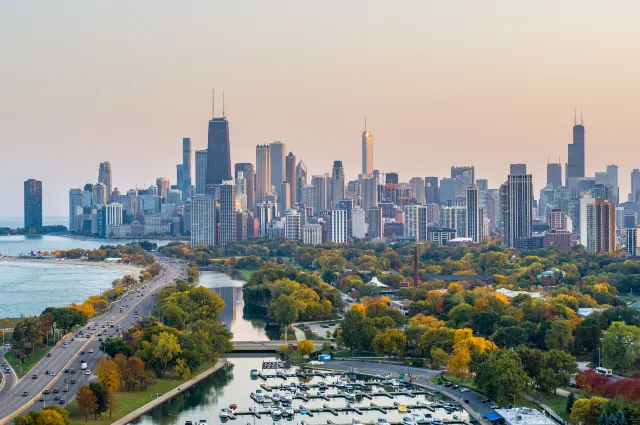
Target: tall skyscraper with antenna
{"x":218,"y":152}
{"x":367,"y":150}
{"x":576,"y":157}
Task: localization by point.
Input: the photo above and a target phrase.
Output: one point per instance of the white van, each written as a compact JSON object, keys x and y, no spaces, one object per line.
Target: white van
{"x":604,"y":371}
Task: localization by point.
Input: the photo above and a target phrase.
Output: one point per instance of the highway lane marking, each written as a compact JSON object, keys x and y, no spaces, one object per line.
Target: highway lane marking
{"x":90,"y":340}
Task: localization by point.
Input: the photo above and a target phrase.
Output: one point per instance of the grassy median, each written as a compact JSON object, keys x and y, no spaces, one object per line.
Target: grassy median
{"x":28,"y":362}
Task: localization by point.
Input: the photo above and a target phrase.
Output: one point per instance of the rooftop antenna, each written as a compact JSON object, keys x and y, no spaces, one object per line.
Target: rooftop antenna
{"x":365,"y":123}
{"x":581,"y":123}
{"x":575,"y":116}
{"x":222,"y":103}
{"x":213,"y":106}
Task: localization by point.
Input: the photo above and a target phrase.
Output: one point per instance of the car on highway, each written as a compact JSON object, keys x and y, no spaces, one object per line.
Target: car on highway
{"x":56,"y":398}
{"x":90,"y":350}
{"x":34,"y":376}
{"x":41,"y":399}
{"x":61,"y":401}
{"x":81,"y":352}
{"x":87,"y":372}
{"x":7,"y":370}
{"x":65,"y":345}
{"x":72,"y":371}
{"x":24,"y":394}
{"x":73,"y":381}
{"x":65,"y":390}
{"x":56,"y":391}
{"x":46,"y":392}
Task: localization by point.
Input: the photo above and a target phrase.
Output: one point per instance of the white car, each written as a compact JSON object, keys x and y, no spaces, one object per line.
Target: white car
{"x":90,"y":350}
{"x":87,"y":372}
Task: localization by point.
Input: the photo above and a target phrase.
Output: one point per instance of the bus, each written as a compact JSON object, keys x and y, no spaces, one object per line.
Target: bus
{"x":604,"y":371}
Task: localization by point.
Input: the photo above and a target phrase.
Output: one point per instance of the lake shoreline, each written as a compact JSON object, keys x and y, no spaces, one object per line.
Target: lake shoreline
{"x":126,"y":267}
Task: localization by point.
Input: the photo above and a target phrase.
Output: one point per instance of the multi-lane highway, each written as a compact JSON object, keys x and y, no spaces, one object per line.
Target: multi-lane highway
{"x":12,"y":397}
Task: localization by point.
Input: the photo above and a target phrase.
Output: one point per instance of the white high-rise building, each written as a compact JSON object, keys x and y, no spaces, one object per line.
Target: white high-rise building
{"x":338,"y":226}
{"x":369,"y":186}
{"x":263,"y":173}
{"x":418,"y":189}
{"x":113,"y":214}
{"x":203,"y":220}
{"x":201,"y":171}
{"x":558,"y":220}
{"x":267,"y":212}
{"x":358,"y":223}
{"x":292,"y":225}
{"x":367,"y":151}
{"x":454,"y":218}
{"x":309,"y":196}
{"x":415,"y":222}
{"x":227,"y":212}
{"x":474,"y":222}
{"x":312,"y":234}
{"x":588,"y":223}
{"x":632,"y":245}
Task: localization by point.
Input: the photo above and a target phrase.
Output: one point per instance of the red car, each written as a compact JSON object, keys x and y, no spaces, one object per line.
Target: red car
{"x":56,"y":391}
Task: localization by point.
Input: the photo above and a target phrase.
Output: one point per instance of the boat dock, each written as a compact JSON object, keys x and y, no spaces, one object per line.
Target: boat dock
{"x":335,"y":410}
{"x":302,"y":375}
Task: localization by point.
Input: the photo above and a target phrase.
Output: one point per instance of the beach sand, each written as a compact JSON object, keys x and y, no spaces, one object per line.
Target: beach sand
{"x":129,"y":268}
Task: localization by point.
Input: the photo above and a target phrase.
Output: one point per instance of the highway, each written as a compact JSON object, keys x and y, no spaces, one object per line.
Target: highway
{"x":12,"y":400}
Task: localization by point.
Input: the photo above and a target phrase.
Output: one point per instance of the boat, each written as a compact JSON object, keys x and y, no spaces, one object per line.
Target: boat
{"x":395,"y":383}
{"x":349,"y":396}
{"x":276,"y":412}
{"x":275,"y":397}
{"x":437,"y":421}
{"x":224,"y":414}
{"x":233,"y":406}
{"x":455,"y":417}
{"x":289,"y":411}
{"x":408,"y":418}
{"x":402,"y":409}
{"x":293,"y":386}
{"x":304,"y":412}
{"x":253,"y":372}
{"x":288,"y":396}
{"x":428,"y":418}
{"x":202,"y":422}
{"x":383,"y":421}
{"x":355,"y":421}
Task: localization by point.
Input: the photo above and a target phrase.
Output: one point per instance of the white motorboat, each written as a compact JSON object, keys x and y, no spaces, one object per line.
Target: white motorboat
{"x":224,"y":414}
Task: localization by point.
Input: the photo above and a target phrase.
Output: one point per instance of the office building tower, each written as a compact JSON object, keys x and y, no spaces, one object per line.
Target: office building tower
{"x":558,"y":220}
{"x":369,"y":191}
{"x":32,"y":205}
{"x":87,"y":196}
{"x":291,"y":177}
{"x":503,"y":202}
{"x":391,"y":178}
{"x":519,"y":208}
{"x":201,"y":171}
{"x":473,"y":219}
{"x":518,"y":169}
{"x":375,"y":224}
{"x":292,"y":229}
{"x":301,"y":177}
{"x":218,"y":153}
{"x":554,"y":174}
{"x":635,"y":186}
{"x":184,"y":169}
{"x":105,"y":177}
{"x":632,"y":245}
{"x":163,"y":185}
{"x":468,"y":172}
{"x":321,"y":189}
{"x":267,"y":212}
{"x":312,"y":234}
{"x":337,"y":183}
{"x":620,"y":218}
{"x":284,"y":200}
{"x":354,"y":192}
{"x":597,"y":225}
{"x":309,"y":197}
{"x":609,"y":179}
{"x":588,"y":223}
{"x":113,"y":214}
{"x":99,"y":194}
{"x":418,"y":189}
{"x":448,"y":190}
{"x":241,"y":226}
{"x":483,"y":184}
{"x":277,"y":152}
{"x":227,"y":212}
{"x":416,"y":222}
{"x":629,"y":220}
{"x":174,"y":196}
{"x":431,"y":190}
{"x":338,"y":226}
{"x":203,"y":220}
{"x":367,"y":150}
{"x":75,"y":207}
{"x":576,"y":152}
{"x":263,"y":173}
{"x":248,"y":175}
{"x":346,"y":204}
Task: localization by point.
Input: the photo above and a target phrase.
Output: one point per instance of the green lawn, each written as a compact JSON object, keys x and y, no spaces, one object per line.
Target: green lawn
{"x":127,"y":402}
{"x":557,"y":402}
{"x":8,"y":322}
{"x":28,"y":363}
{"x":245,"y":274}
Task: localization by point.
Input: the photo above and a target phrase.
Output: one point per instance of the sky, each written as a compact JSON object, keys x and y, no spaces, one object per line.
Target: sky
{"x":484,"y":83}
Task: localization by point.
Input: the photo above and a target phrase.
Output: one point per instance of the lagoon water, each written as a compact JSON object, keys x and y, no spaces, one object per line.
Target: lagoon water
{"x":27,"y":288}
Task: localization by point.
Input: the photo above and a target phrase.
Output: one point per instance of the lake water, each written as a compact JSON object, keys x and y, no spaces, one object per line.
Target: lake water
{"x":18,"y":222}
{"x":15,"y":245}
{"x":234,"y":385}
{"x":230,"y":290}
{"x":27,"y":288}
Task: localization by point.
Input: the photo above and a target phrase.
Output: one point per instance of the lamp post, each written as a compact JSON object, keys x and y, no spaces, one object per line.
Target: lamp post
{"x":598,"y":356}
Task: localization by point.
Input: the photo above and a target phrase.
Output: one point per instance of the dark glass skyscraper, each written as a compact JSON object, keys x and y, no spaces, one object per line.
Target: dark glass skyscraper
{"x":554,"y":174}
{"x":218,"y":154}
{"x":576,"y":154}
{"x":32,"y":205}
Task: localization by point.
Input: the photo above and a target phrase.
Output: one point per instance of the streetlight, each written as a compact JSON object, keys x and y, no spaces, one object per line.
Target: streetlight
{"x":598,"y":356}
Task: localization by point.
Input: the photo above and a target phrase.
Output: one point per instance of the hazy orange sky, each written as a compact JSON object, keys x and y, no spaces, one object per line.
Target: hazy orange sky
{"x":442,"y":83}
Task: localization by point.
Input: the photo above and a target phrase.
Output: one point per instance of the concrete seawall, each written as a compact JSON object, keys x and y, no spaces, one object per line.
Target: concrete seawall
{"x":171,"y":394}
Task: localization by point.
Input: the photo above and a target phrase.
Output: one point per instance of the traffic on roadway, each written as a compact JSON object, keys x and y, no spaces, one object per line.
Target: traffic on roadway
{"x":57,"y":378}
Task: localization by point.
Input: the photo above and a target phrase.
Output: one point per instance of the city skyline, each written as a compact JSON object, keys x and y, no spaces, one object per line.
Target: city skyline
{"x":509,"y":108}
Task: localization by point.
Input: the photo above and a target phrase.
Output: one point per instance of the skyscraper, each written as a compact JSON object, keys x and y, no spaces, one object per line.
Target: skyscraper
{"x":632,"y":245}
{"x":184,"y":183}
{"x":248,"y":175}
{"x":576,"y":152}
{"x":338,"y":226}
{"x":554,"y":174}
{"x":75,"y":206}
{"x":105,"y":177}
{"x":416,"y":222}
{"x":367,"y":150}
{"x":163,"y":184}
{"x":337,"y":183}
{"x":519,"y":208}
{"x":292,"y":229}
{"x":277,"y":152}
{"x":218,"y":152}
{"x":431,"y":190}
{"x":301,"y":177}
{"x":375,"y":223}
{"x":203,"y":220}
{"x":597,"y":225}
{"x":99,"y":194}
{"x":464,"y":171}
{"x":369,"y":191}
{"x":320,"y":188}
{"x":263,"y":173}
{"x":201,"y":171}
{"x":227,"y":212}
{"x":474,"y":223}
{"x":418,"y":189}
{"x":32,"y":205}
{"x":291,"y":178}
{"x":391,"y":178}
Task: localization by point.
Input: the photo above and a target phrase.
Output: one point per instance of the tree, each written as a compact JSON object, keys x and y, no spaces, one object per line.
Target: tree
{"x":621,"y":346}
{"x":559,"y":335}
{"x":587,"y":410}
{"x":587,"y":338}
{"x":499,"y":374}
{"x":570,"y":400}
{"x":285,"y":310}
{"x":87,"y":402}
{"x":102,"y":398}
{"x":351,"y":328}
{"x":164,"y":349}
{"x":113,"y":402}
{"x":510,"y":337}
{"x":305,"y":347}
{"x":556,"y":369}
{"x":115,"y":346}
{"x":50,"y":417}
{"x":439,"y":357}
{"x":109,"y":374}
{"x":459,"y":361}
{"x":182,"y":368}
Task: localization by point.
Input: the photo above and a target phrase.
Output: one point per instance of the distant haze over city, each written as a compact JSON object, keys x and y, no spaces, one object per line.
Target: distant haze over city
{"x":441,"y":84}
